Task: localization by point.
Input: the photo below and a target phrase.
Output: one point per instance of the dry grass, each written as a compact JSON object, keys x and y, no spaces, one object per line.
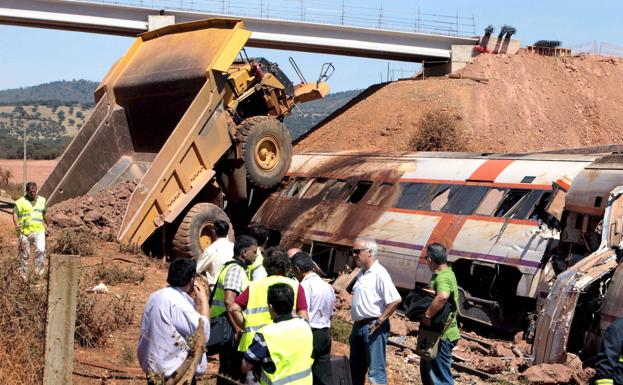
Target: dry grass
{"x":22,"y":326}
{"x":23,"y":307}
{"x":439,"y":131}
{"x":74,"y":242}
{"x":113,"y":275}
{"x":97,"y":318}
{"x":13,"y":190}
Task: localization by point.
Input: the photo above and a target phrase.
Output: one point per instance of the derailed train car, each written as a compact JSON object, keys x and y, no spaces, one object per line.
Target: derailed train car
{"x":514,"y":225}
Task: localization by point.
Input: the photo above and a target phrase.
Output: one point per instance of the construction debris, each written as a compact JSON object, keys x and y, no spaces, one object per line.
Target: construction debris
{"x":100,"y":213}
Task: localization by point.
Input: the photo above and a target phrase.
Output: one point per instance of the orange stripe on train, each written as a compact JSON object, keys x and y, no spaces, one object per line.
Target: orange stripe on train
{"x":490,"y":170}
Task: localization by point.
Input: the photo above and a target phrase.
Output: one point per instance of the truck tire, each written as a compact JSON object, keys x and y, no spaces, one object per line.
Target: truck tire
{"x":193,"y":235}
{"x":266,"y":150}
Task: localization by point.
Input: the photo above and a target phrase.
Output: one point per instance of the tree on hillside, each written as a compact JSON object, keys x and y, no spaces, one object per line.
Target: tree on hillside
{"x":61,"y":116}
{"x":79,"y":115}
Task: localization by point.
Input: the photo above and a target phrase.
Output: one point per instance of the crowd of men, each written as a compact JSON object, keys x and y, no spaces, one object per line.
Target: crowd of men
{"x":271,"y":322}
{"x":270,"y":312}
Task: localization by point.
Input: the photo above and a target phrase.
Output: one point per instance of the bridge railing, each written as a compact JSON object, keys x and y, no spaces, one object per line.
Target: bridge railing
{"x":345,"y":13}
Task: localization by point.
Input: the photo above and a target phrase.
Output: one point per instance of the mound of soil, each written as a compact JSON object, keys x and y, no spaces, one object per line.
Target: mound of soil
{"x":100,"y":213}
{"x":522,"y":102}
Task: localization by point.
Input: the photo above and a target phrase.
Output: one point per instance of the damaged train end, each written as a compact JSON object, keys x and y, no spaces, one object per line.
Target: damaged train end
{"x":516,"y":226}
{"x":586,"y":295}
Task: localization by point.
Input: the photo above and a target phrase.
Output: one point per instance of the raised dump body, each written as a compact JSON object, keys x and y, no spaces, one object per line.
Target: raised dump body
{"x":179,"y":113}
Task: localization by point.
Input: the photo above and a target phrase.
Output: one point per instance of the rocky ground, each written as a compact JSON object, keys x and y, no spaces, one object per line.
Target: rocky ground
{"x":100,"y":213}
{"x":522,"y":102}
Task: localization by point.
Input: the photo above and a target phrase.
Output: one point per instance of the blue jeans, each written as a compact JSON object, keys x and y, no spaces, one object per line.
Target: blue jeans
{"x":368,"y":352}
{"x":437,"y":371}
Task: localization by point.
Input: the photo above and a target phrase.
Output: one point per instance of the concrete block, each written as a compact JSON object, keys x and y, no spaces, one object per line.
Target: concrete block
{"x":61,"y":319}
{"x":157,"y":21}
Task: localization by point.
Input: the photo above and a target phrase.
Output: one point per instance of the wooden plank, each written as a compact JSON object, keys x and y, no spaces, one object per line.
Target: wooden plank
{"x":345,"y":281}
{"x":61,"y":319}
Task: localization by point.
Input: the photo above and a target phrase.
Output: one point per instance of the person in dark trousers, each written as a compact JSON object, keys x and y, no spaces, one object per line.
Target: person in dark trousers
{"x":231,"y":281}
{"x":443,"y":282}
{"x":282,"y":349}
{"x":609,"y":366}
{"x":320,"y":300}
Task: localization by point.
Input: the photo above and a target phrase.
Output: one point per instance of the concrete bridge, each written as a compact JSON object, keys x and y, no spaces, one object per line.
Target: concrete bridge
{"x":128,"y":20}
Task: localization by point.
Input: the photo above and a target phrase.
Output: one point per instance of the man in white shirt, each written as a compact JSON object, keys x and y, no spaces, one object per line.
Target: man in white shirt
{"x":170,"y":317}
{"x":260,"y":233}
{"x":220,"y":251}
{"x":375,"y":298}
{"x":320,"y":300}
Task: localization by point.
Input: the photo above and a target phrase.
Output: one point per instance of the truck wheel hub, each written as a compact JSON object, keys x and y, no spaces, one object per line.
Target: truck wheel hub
{"x":267,"y":153}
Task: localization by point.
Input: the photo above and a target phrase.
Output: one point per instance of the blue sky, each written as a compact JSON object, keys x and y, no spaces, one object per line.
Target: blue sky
{"x":31,"y":56}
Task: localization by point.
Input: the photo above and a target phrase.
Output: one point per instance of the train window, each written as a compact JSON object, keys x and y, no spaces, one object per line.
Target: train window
{"x":315,"y":188}
{"x":528,"y":179}
{"x":293,"y":187}
{"x":335,"y":190}
{"x":417,"y":196}
{"x":360,"y":190}
{"x":463,"y":199}
{"x":441,"y":198}
{"x":382,"y":192}
{"x":490,"y":202}
{"x":538,"y":210}
{"x":511,"y":203}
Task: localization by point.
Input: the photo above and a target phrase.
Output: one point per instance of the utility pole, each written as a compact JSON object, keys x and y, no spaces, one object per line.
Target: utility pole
{"x":25,"y":157}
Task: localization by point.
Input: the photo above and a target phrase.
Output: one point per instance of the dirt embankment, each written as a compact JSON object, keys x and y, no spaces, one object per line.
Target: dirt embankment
{"x":100,"y":213}
{"x":526,"y":103}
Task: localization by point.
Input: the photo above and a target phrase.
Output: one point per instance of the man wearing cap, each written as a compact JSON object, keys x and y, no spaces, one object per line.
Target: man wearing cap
{"x":170,"y":318}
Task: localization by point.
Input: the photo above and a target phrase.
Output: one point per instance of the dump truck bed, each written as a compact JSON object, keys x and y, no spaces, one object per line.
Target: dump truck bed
{"x":158,"y":118}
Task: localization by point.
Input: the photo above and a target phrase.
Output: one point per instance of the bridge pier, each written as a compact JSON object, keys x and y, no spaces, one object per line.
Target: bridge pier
{"x":159,"y":21}
{"x":461,"y":55}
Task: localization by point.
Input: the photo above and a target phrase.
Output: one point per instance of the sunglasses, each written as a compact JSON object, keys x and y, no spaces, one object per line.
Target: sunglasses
{"x":358,"y":251}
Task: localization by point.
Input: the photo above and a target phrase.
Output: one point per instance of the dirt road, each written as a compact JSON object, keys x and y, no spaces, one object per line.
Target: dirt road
{"x":37,"y":170}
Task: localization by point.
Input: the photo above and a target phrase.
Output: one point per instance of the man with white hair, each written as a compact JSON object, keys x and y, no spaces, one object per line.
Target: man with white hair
{"x":375,"y":298}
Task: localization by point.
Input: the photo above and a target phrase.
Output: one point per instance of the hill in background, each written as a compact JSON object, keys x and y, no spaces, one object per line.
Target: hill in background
{"x":62,"y":91}
{"x":52,"y":113}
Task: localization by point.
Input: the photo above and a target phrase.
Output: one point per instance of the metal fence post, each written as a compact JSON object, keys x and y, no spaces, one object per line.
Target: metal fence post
{"x":342,"y":12}
{"x":381,"y":16}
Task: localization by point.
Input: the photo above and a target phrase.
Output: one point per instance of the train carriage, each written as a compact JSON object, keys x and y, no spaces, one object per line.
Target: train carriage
{"x":497,"y":214}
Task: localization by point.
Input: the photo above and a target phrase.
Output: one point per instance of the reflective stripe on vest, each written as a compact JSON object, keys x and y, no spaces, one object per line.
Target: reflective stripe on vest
{"x":259,"y":260}
{"x":30,"y":217}
{"x":257,"y":313}
{"x":621,"y":359}
{"x":218,"y":307}
{"x":290,"y":344}
{"x":605,"y":381}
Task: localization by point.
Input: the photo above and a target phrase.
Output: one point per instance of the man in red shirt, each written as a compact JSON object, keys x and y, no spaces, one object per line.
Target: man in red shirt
{"x":254,"y":299}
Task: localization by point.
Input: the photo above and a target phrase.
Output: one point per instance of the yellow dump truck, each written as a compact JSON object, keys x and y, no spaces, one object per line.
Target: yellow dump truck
{"x":199,"y":124}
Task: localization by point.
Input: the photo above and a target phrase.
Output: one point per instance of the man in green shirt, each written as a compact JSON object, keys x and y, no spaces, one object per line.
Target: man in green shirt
{"x":443,"y":282}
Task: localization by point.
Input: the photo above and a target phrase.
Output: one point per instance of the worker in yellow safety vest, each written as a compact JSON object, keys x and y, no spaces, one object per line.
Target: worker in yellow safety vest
{"x":30,"y":223}
{"x":231,"y":281}
{"x":253,"y":301}
{"x":260,"y":233}
{"x":283,"y":348}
